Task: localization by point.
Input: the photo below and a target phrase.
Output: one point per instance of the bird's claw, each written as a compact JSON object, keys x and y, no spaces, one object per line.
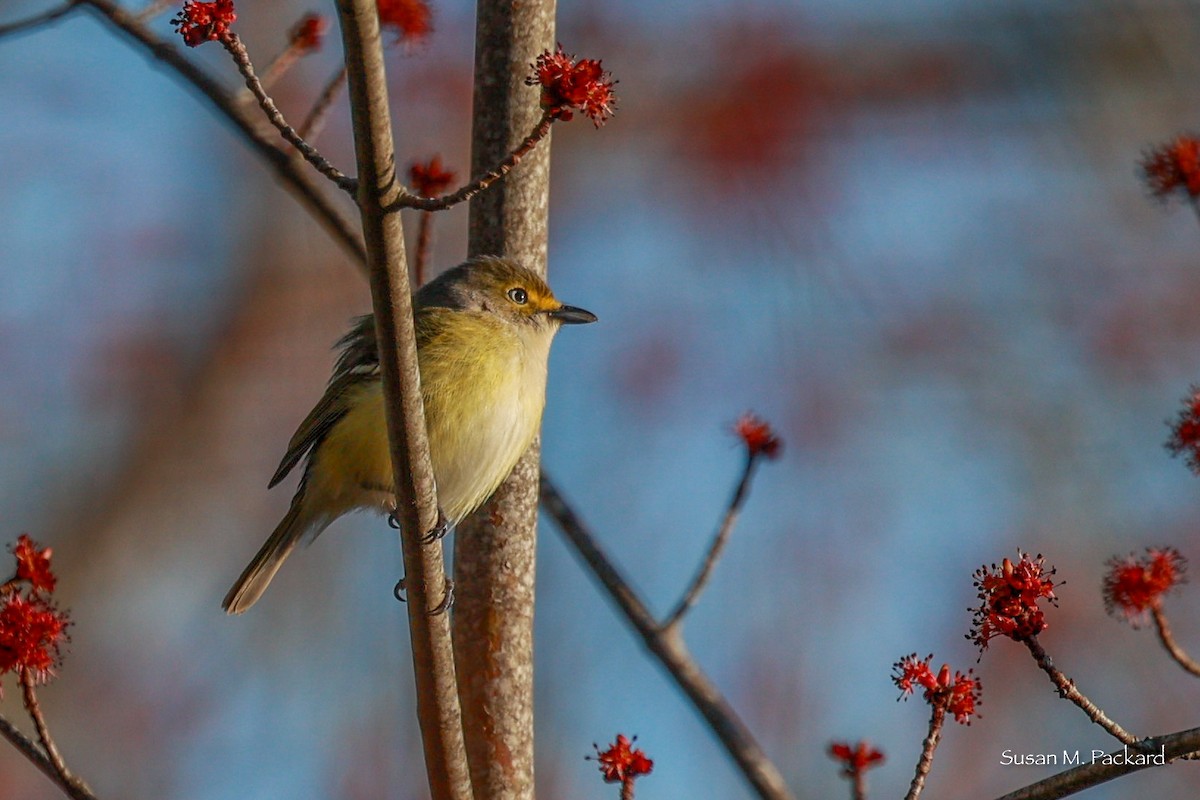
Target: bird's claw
{"x":440,"y":529}
{"x":447,"y":600}
{"x":398,"y":591}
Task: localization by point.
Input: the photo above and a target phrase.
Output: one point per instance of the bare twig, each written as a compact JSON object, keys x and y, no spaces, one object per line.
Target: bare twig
{"x":1168,"y":641}
{"x":485,"y":180}
{"x":153,"y":9}
{"x":65,"y":776}
{"x":692,"y":594}
{"x":233,"y":44}
{"x":425,"y":581}
{"x":424,"y":239}
{"x":936,"y":720}
{"x":37,"y":20}
{"x":1112,"y":765}
{"x":1068,"y":691}
{"x":668,"y":647}
{"x":28,"y":748}
{"x":858,"y":785}
{"x":314,"y":123}
{"x":295,"y":178}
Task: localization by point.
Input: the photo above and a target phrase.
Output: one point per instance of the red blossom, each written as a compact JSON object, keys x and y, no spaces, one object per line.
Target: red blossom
{"x":958,"y":692}
{"x":1135,"y":586}
{"x":856,"y":758}
{"x":757,"y":436}
{"x":33,"y":564}
{"x":1173,"y":166}
{"x":411,"y":19}
{"x":963,"y":694}
{"x":198,"y":22}
{"x":912,"y":672}
{"x":1010,"y":594}
{"x":308,"y":33}
{"x":32,"y":634}
{"x":620,"y":763}
{"x":1185,"y":431}
{"x":430,"y":179}
{"x":569,"y":85}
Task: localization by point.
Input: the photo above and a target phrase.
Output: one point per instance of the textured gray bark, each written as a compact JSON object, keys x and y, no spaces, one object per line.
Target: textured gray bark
{"x":495,"y":550}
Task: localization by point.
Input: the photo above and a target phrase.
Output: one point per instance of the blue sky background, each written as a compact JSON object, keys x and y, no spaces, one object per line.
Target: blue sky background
{"x":910,"y":235}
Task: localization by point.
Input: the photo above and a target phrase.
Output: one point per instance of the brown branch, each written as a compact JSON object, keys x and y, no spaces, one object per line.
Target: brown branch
{"x":28,"y":748}
{"x":433,"y":657}
{"x":283,"y":161}
{"x":37,"y":20}
{"x":936,"y":720}
{"x":424,"y":239}
{"x":539,"y":132}
{"x":668,"y":647}
{"x":233,"y":44}
{"x":1168,"y":641}
{"x":65,"y":777}
{"x":1068,"y":691}
{"x":692,"y":594}
{"x":315,"y":121}
{"x":1121,"y":762}
{"x":495,"y":550}
{"x":858,"y":785}
{"x":153,"y":9}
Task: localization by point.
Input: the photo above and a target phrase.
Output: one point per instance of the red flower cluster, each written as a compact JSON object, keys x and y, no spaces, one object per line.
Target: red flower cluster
{"x":430,"y":179}
{"x":569,"y":85}
{"x":620,"y":763}
{"x":1185,"y":431}
{"x":1010,"y":594}
{"x":1134,"y":586}
{"x":757,"y":436}
{"x":32,"y":629}
{"x":198,"y":22}
{"x":33,"y":565}
{"x":32,"y":633}
{"x":411,"y":19}
{"x":1173,"y":166}
{"x":308,"y":33}
{"x":857,"y":758}
{"x":958,"y":693}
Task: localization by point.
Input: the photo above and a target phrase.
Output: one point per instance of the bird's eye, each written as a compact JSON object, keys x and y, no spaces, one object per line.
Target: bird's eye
{"x":518,"y":295}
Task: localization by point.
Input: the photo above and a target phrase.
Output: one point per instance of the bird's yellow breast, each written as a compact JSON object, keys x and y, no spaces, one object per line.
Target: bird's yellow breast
{"x":484,"y":392}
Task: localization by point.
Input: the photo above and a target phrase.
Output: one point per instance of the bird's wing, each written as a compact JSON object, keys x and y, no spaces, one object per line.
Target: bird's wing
{"x":358,"y":361}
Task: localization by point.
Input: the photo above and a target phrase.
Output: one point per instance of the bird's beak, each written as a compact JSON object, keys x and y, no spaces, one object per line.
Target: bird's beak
{"x":570,"y":315}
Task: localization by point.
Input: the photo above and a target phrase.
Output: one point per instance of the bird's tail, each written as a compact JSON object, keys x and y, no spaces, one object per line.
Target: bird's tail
{"x":262,"y":568}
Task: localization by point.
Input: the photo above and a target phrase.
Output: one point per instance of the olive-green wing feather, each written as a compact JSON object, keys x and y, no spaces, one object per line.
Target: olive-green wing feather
{"x":358,"y":361}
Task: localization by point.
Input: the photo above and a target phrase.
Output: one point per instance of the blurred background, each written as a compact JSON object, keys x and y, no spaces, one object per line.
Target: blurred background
{"x":909,"y":234}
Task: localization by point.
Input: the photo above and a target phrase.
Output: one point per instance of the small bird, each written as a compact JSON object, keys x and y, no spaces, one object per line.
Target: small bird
{"x":483,"y":340}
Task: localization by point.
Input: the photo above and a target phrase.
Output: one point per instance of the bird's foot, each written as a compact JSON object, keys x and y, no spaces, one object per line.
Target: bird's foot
{"x":440,"y":529}
{"x":447,"y":599}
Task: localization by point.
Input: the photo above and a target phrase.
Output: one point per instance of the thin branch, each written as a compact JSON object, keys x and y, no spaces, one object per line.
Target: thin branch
{"x":28,"y":748}
{"x":433,"y":657}
{"x":1168,"y":641}
{"x":668,"y":647}
{"x":286,"y":165}
{"x":153,"y":9}
{"x":936,"y":720}
{"x":314,"y":123}
{"x":1104,"y":767}
{"x":37,"y":20}
{"x":539,"y":132}
{"x":692,"y":594}
{"x":64,"y":776}
{"x":858,"y":785}
{"x":424,"y":240}
{"x":233,"y":44}
{"x":1068,"y":691}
